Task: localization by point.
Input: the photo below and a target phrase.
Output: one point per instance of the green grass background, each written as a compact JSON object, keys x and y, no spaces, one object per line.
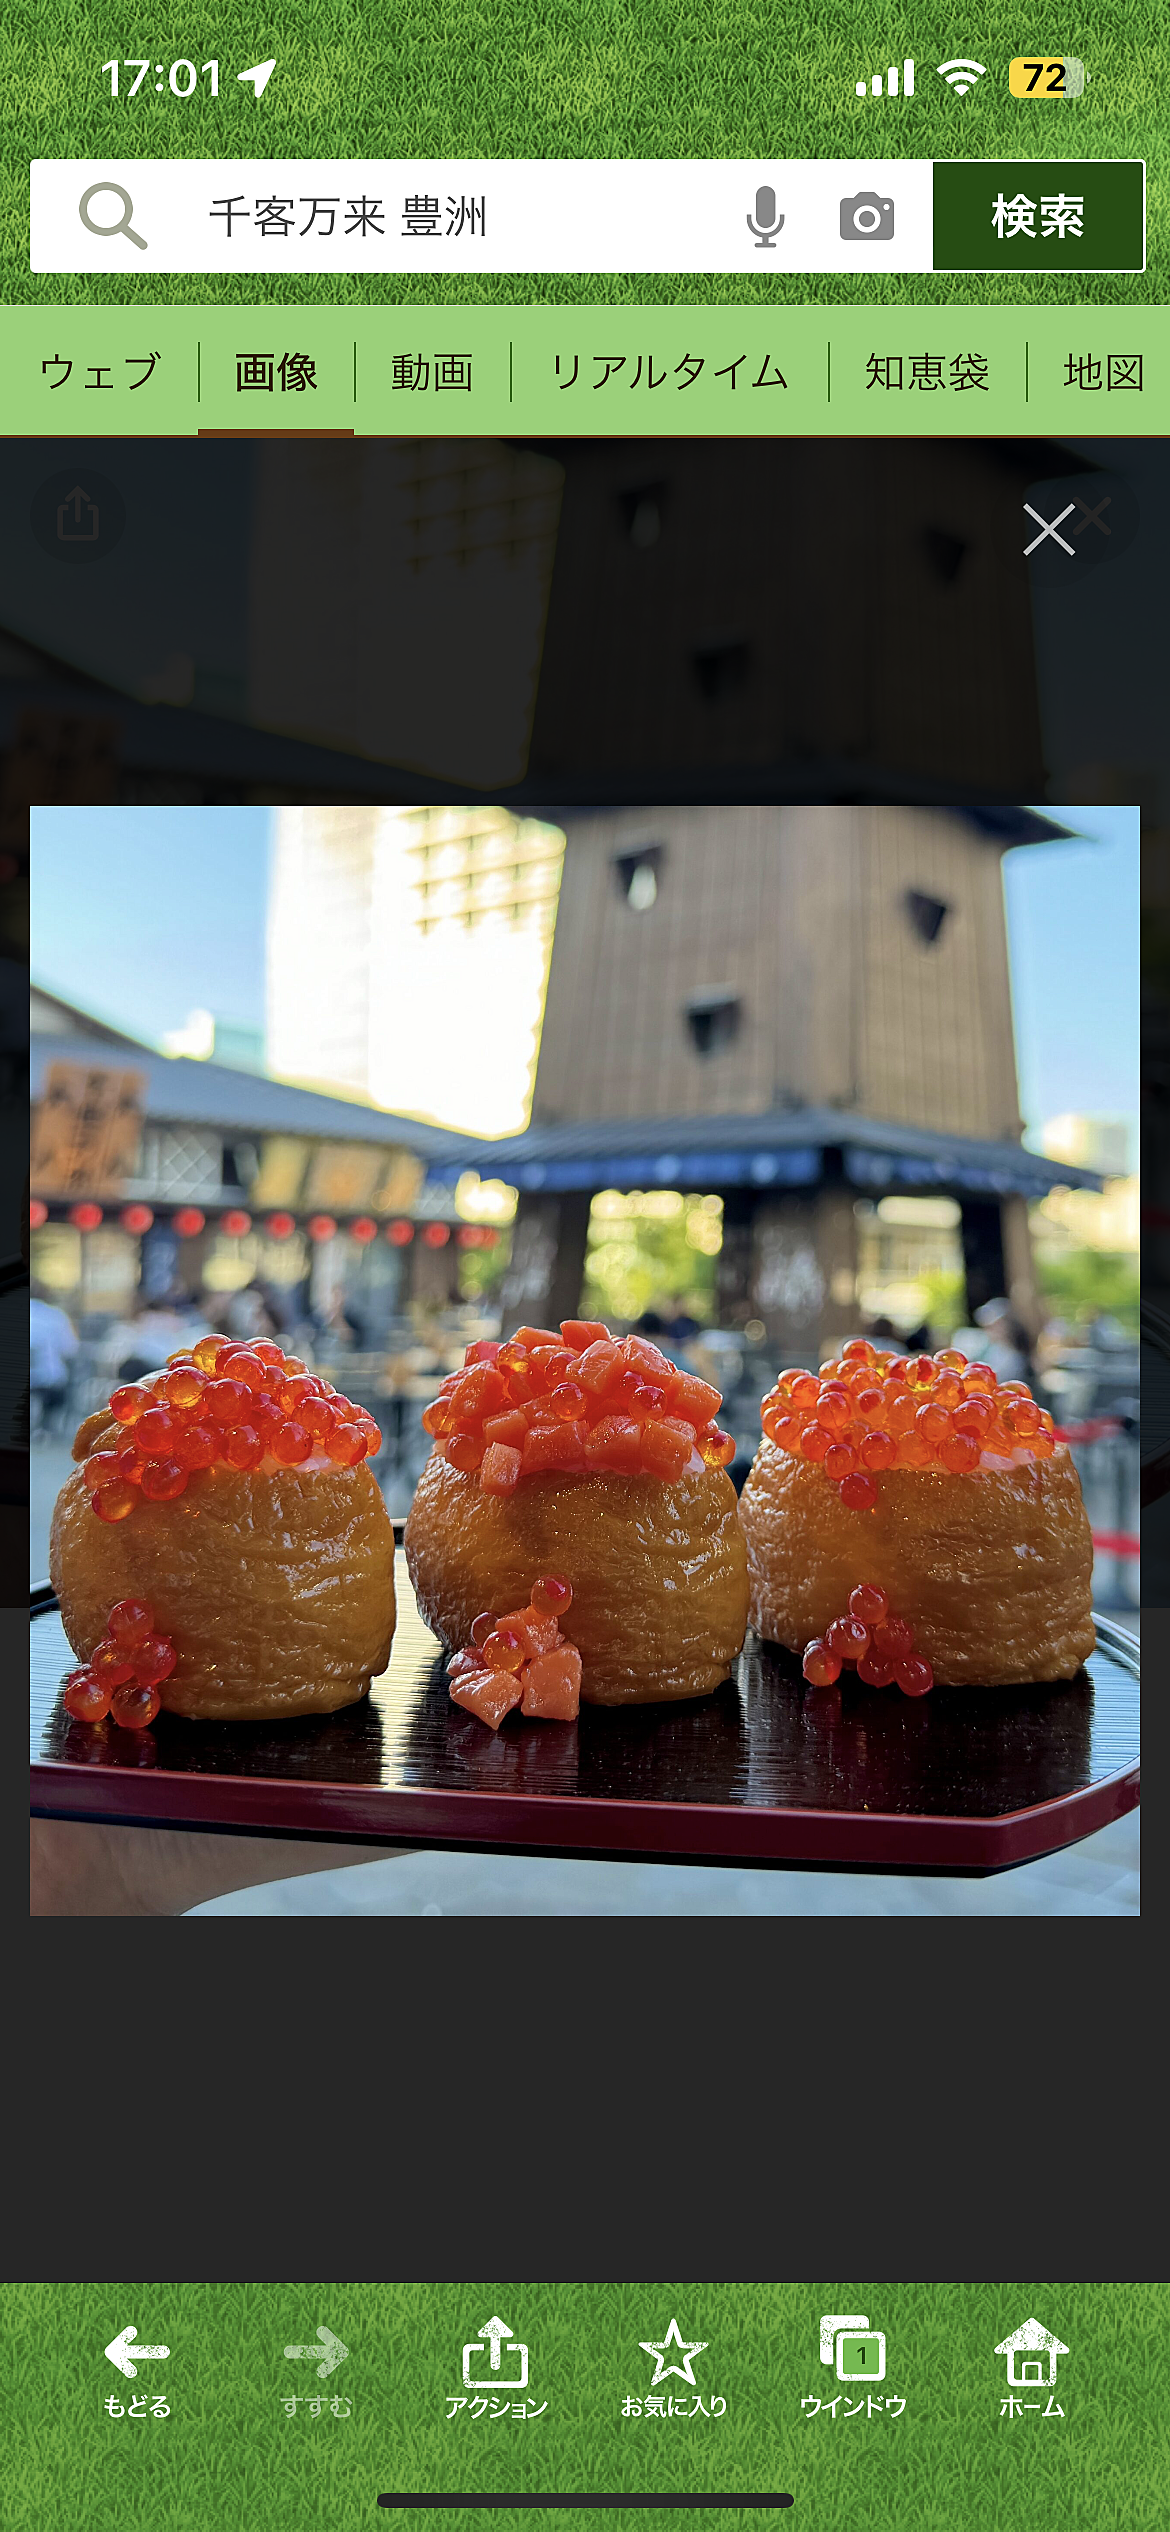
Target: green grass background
{"x":578,"y":78}
{"x":228,"y":2456}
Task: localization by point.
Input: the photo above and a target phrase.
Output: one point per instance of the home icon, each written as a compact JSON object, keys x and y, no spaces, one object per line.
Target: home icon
{"x":1029,"y":2350}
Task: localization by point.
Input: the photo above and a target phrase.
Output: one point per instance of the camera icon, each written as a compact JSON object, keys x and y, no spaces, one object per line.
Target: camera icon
{"x":867,"y":216}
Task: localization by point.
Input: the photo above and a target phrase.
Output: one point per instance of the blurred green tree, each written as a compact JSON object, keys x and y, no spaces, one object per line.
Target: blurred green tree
{"x":647,"y":1251}
{"x":481,"y":1270}
{"x":1085,"y":1281}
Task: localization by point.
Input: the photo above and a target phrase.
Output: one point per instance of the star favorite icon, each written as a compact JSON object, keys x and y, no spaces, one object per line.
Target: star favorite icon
{"x":685,"y":2348}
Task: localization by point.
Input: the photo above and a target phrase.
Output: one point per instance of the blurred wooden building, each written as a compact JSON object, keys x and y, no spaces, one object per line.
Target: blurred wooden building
{"x":800,"y":1009}
{"x":596,"y":619}
{"x":801,"y":619}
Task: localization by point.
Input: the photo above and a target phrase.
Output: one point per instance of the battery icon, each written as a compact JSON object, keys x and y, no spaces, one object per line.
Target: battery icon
{"x":1058,"y":76}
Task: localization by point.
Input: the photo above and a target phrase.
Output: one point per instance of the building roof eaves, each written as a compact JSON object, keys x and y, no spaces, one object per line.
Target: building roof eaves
{"x":181,"y":1090}
{"x":609,"y":1139}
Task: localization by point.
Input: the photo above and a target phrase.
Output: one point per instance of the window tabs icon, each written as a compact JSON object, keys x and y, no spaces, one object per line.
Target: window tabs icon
{"x":857,"y":2353}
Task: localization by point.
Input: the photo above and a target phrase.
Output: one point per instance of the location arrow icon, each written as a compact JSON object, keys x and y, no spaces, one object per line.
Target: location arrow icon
{"x":260,"y":76}
{"x":118,"y":2351}
{"x":330,"y":2348}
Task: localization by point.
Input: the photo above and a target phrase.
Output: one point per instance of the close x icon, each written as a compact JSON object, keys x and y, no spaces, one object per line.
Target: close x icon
{"x":1088,"y":518}
{"x":1075,"y":522}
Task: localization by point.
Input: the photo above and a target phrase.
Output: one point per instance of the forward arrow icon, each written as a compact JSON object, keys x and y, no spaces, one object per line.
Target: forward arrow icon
{"x":119,"y":2351}
{"x":330,"y":2349}
{"x":260,"y":76}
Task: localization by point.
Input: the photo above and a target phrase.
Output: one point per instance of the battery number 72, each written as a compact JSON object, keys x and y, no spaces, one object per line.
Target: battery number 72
{"x":1037,"y":79}
{"x":182,"y":78}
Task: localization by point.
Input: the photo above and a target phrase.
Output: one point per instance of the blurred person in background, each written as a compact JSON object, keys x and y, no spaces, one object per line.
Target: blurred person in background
{"x":246,"y":1315}
{"x":52,"y":1348}
{"x":338,"y":1325}
{"x":1108,"y":1333}
{"x":1050,"y":1345}
{"x":997,"y":1338}
{"x":287,"y":1306}
{"x":140,"y":1344}
{"x":883,"y":1333}
{"x":672,"y":1336}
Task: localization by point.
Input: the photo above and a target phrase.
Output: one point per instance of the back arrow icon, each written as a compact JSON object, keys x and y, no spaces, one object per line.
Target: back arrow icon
{"x":118,"y":2351}
{"x":331,"y":2349}
{"x":260,"y":76}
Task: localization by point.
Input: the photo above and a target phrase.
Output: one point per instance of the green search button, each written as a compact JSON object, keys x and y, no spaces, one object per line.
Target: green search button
{"x":1030,"y":215}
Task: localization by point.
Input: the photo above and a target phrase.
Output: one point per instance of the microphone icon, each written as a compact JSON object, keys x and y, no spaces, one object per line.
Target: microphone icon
{"x":767,"y":220}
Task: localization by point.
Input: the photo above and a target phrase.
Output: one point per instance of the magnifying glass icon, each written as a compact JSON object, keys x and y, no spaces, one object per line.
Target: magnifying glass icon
{"x":121,"y":228}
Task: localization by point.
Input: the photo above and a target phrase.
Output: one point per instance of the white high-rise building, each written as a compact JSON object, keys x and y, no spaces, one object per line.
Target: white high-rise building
{"x":408,"y":954}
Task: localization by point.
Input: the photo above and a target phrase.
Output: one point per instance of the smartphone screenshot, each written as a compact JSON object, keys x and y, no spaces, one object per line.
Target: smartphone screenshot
{"x":585,"y":781}
{"x":583,"y":672}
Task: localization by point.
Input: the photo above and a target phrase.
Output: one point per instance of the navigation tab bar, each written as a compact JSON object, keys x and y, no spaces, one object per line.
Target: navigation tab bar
{"x":434,"y":370}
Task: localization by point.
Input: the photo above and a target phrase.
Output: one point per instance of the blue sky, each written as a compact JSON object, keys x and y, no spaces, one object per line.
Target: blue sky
{"x":1073,"y":932}
{"x":142,"y":915}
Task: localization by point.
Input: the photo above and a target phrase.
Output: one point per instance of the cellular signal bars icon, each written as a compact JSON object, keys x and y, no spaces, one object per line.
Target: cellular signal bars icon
{"x":876,"y":87}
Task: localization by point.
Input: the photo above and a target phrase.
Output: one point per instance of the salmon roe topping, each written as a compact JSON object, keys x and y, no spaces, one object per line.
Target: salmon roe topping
{"x":872,"y":1640}
{"x":521,"y":1659}
{"x":866,"y":1412}
{"x":86,"y":1697}
{"x":223,"y":1405}
{"x":575,"y":1404}
{"x":124,"y":1672}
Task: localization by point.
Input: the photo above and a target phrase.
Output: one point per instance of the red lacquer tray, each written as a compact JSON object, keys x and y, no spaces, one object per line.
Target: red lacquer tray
{"x":766,"y":1771}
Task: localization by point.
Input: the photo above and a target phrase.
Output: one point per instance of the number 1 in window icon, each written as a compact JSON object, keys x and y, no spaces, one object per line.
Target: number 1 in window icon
{"x":857,"y":2353}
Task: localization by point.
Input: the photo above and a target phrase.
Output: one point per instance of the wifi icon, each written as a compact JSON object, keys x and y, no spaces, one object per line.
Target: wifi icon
{"x":962,"y":75}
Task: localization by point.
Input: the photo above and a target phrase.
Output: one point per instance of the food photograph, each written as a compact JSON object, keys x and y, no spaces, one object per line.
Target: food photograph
{"x":584,"y":1361}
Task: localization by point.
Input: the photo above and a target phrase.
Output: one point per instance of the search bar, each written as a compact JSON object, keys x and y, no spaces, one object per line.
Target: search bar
{"x":296,"y":215}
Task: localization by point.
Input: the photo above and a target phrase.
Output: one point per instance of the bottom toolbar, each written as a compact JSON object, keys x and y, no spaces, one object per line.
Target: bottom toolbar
{"x":426,"y":371}
{"x":289,"y":2407}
